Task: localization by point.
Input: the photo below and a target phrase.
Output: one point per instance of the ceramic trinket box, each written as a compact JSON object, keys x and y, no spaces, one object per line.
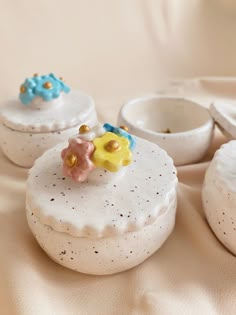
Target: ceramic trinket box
{"x":102,"y":203}
{"x":181,"y":127}
{"x":47,"y":113}
{"x":219,"y":195}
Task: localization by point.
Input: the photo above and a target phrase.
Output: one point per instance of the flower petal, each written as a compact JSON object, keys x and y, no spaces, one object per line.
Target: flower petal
{"x":111,"y":161}
{"x":83,"y":150}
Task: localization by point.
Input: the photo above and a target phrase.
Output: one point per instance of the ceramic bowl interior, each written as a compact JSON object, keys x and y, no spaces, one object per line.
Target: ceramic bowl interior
{"x":164,"y":115}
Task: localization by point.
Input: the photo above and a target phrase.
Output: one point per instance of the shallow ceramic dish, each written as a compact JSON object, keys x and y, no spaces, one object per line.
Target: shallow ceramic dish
{"x":219,"y":195}
{"x":181,"y":127}
{"x":46,"y":114}
{"x":104,"y":222}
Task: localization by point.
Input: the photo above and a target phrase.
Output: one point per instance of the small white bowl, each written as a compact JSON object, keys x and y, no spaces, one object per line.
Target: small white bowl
{"x":190,"y":124}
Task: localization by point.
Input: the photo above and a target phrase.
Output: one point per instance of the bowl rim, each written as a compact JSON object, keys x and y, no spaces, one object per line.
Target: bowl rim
{"x":209,"y":124}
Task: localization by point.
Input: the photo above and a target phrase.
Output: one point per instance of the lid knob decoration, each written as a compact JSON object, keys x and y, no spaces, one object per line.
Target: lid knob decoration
{"x":106,"y":147}
{"x":48,"y":87}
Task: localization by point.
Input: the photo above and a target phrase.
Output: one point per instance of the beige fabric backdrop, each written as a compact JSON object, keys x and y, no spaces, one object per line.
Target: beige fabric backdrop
{"x":116,"y":50}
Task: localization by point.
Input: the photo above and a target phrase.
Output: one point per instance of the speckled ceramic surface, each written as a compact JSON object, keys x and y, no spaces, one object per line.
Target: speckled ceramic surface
{"x":103,"y":227}
{"x":27,"y":131}
{"x":219,"y":195}
{"x":181,"y":127}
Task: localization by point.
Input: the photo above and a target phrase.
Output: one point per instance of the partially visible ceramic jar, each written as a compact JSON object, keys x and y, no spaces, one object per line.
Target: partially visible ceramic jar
{"x":219,"y":195}
{"x":47,"y":113}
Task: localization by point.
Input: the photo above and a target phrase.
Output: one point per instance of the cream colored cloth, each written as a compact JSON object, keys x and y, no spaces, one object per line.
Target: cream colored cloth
{"x":116,"y":50}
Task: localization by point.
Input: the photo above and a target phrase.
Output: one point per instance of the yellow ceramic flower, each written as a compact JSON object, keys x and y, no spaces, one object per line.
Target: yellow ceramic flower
{"x":111,"y":152}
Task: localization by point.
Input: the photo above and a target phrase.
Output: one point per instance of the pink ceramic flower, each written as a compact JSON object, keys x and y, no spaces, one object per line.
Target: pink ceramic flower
{"x":76,"y":158}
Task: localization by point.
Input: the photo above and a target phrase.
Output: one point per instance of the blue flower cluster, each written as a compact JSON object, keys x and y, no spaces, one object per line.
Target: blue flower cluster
{"x":46,"y":86}
{"x":121,"y":133}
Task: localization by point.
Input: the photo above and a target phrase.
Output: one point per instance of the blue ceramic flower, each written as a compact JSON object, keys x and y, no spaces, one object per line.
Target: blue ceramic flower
{"x":46,"y":86}
{"x":121,"y":133}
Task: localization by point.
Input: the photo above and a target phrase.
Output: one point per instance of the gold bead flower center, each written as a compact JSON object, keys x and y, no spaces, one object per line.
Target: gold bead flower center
{"x":71,"y":160}
{"x":112,"y":146}
{"x":47,"y":85}
{"x":22,"y":89}
{"x":125,"y":128}
{"x":84,"y":129}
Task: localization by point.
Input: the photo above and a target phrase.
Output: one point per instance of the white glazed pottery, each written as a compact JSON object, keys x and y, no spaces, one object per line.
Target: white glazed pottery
{"x":224,"y":113}
{"x":26,"y":131}
{"x":190,"y":125}
{"x":219,"y":195}
{"x":103,"y":226}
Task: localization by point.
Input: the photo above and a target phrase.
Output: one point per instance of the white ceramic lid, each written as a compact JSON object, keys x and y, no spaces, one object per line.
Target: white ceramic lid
{"x":70,"y":110}
{"x":224,"y":114}
{"x":93,"y":209}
